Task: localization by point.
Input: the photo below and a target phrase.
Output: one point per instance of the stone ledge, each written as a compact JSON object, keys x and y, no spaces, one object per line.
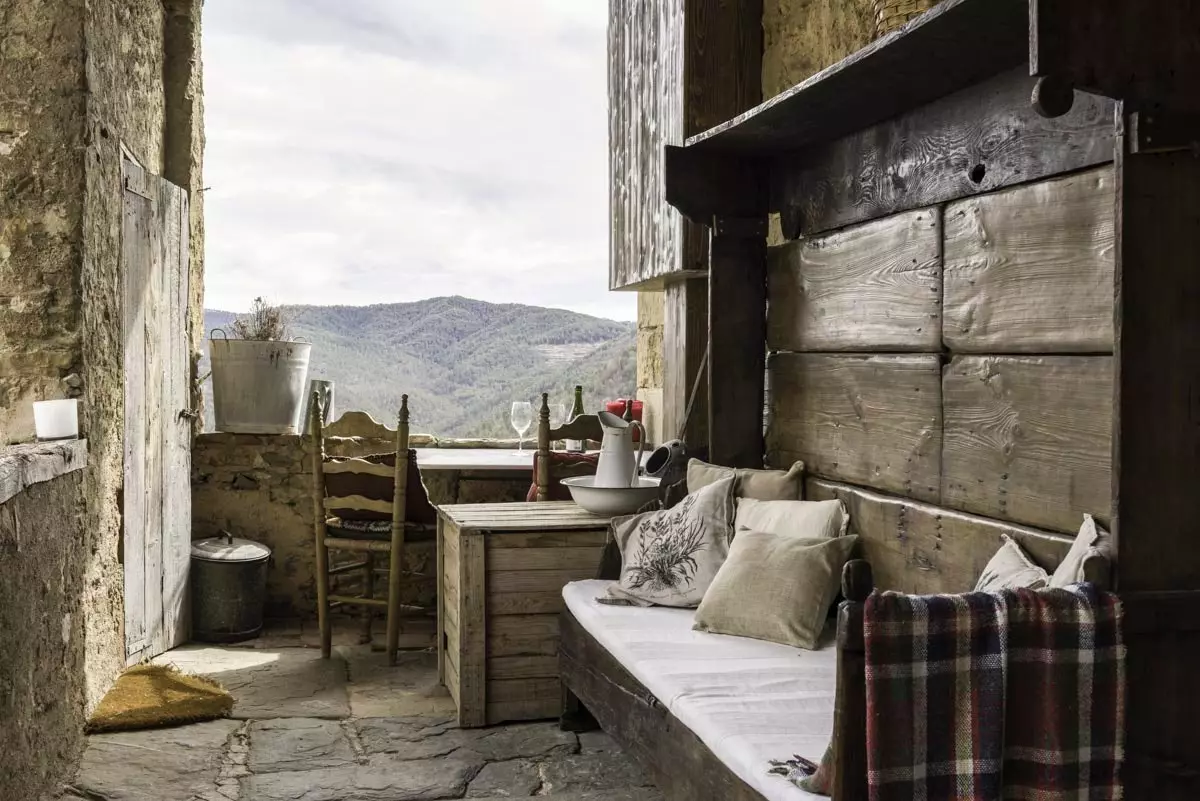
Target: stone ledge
{"x":24,"y":465}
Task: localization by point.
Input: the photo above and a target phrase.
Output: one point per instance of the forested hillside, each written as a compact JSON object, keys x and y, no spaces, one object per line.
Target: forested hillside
{"x":462,"y":362}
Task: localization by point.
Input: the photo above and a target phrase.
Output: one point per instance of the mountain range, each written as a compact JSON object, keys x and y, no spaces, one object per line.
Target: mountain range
{"x":462,"y":362}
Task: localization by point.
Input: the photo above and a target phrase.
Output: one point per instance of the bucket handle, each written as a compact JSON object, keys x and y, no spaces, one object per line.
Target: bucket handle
{"x":215,"y":330}
{"x":301,"y":339}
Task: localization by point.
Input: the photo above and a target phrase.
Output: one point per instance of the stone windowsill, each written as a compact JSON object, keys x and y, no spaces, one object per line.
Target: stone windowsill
{"x":24,"y":465}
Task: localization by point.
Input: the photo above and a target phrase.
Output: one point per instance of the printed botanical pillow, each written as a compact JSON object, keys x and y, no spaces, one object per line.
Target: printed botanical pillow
{"x":1091,"y":539}
{"x":763,"y":485}
{"x":1011,"y":569}
{"x":669,"y":557}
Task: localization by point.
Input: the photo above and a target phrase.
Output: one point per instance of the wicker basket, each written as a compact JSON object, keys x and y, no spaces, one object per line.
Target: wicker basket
{"x":891,"y":14}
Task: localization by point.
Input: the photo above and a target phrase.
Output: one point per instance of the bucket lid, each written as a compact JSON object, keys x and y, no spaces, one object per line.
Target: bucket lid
{"x":228,"y":548}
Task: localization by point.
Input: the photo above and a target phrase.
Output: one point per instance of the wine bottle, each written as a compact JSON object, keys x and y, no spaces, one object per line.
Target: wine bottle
{"x":576,"y":445}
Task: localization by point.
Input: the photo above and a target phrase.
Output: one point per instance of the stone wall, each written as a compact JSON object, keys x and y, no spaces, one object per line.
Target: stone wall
{"x":260,"y":487}
{"x":82,"y":81}
{"x":803,"y":37}
{"x":650,"y":363}
{"x":41,"y":208}
{"x":43,"y":555}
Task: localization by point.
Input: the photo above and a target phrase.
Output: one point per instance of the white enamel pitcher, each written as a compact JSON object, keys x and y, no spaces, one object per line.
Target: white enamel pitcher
{"x":618,"y":463}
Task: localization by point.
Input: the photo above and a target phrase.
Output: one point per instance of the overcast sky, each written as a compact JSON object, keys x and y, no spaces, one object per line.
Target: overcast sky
{"x":372,"y":151}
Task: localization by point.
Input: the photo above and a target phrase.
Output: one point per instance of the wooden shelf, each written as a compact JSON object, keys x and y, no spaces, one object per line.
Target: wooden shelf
{"x":952,"y":46}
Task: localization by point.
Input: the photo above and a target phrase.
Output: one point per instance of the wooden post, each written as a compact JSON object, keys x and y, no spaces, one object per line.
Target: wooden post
{"x":399,"y":509}
{"x":318,"y":498}
{"x":850,"y":701}
{"x":1156,"y":449}
{"x":737,"y":340}
{"x":543,"y":450}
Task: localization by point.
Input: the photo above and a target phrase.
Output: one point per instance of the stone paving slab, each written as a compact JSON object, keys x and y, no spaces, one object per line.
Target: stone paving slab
{"x":591,"y":772}
{"x":516,"y":778}
{"x":378,"y":690}
{"x":289,"y":744}
{"x":154,"y":765}
{"x":383,"y":778}
{"x":289,"y":682}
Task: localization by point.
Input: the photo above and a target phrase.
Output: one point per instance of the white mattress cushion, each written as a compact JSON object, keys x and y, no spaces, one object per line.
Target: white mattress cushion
{"x":748,"y":700}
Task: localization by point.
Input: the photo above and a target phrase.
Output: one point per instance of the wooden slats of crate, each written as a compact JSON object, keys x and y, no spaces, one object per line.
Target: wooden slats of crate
{"x":501,"y":570}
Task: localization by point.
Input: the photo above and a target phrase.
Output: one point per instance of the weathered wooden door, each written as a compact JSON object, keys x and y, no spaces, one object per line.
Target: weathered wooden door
{"x":157,"y":496}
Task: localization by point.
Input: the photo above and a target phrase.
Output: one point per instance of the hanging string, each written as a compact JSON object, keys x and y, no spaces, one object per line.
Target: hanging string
{"x":695,"y":389}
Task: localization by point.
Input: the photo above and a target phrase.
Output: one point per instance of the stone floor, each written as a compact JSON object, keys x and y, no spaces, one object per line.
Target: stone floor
{"x":345,"y":729}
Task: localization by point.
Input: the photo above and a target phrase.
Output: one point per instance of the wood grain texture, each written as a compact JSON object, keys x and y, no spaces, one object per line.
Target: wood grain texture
{"x":674,"y":68}
{"x":875,"y":421}
{"x":978,"y":140}
{"x":584,"y":559}
{"x":524,"y":667}
{"x":645,"y":112}
{"x":685,"y":338}
{"x":523,"y":635}
{"x":1028,"y":438}
{"x":872,"y":287}
{"x":1030,"y":269}
{"x":737,"y":321}
{"x":1158,"y":368}
{"x":472,"y":616}
{"x":22,"y":466}
{"x":920,"y":548}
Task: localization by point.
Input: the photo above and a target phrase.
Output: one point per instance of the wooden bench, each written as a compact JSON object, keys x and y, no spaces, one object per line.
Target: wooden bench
{"x":599,"y":690}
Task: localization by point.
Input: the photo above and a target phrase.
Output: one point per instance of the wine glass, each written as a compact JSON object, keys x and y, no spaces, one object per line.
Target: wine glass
{"x":558,"y":416}
{"x":522,"y":418}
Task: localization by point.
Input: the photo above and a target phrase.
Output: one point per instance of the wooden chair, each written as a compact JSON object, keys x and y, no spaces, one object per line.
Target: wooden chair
{"x":365,"y":505}
{"x":550,"y":466}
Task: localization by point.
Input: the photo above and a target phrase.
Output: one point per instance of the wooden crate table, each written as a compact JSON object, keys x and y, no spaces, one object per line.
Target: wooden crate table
{"x":501,"y":570}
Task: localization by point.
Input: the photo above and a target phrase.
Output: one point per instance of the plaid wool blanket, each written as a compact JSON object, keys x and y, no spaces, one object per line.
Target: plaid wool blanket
{"x":1010,"y":696}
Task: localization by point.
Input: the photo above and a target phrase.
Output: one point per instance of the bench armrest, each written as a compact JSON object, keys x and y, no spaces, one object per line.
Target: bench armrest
{"x":850,"y":702}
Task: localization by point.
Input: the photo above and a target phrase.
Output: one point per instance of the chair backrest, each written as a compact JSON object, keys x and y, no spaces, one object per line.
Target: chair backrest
{"x":584,"y":427}
{"x":369,"y":487}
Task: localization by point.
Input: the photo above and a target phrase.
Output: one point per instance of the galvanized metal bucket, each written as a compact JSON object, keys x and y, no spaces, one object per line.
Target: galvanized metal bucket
{"x":229,"y":587}
{"x":258,"y":387}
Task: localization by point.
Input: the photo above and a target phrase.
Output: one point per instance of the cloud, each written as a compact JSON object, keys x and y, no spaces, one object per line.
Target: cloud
{"x":366,"y":151}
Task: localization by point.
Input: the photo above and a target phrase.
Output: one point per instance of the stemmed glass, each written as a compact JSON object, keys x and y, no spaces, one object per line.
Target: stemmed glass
{"x":522,"y":418}
{"x":558,"y":416}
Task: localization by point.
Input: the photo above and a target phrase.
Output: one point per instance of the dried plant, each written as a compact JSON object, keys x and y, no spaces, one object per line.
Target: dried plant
{"x":265,"y":322}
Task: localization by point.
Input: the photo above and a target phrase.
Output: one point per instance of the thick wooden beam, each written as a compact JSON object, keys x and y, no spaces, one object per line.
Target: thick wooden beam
{"x":1156,"y":454}
{"x":737,"y":341}
{"x":1146,"y":53}
{"x":977,"y":140}
{"x":685,"y":340}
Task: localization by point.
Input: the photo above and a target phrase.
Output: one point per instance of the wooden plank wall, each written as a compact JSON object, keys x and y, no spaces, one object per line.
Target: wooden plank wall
{"x":957,"y":357}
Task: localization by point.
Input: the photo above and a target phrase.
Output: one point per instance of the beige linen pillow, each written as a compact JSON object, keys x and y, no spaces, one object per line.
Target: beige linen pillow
{"x":817,"y":519}
{"x":669,"y":557}
{"x":763,"y":485}
{"x":775,"y":587}
{"x":1011,"y":569}
{"x":1091,"y":539}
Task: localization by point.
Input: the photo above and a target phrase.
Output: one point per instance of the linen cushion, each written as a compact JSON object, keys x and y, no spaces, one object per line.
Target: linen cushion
{"x":1091,"y":539}
{"x":669,"y":557}
{"x":763,"y":485}
{"x":1011,"y":569}
{"x":816,"y":519}
{"x":775,"y":587}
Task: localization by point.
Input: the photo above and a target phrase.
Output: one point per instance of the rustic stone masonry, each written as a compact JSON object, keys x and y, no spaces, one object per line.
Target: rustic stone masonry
{"x":260,"y":487}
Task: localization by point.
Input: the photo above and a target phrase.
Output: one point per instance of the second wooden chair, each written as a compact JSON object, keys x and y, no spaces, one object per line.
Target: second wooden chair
{"x":370,"y":505}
